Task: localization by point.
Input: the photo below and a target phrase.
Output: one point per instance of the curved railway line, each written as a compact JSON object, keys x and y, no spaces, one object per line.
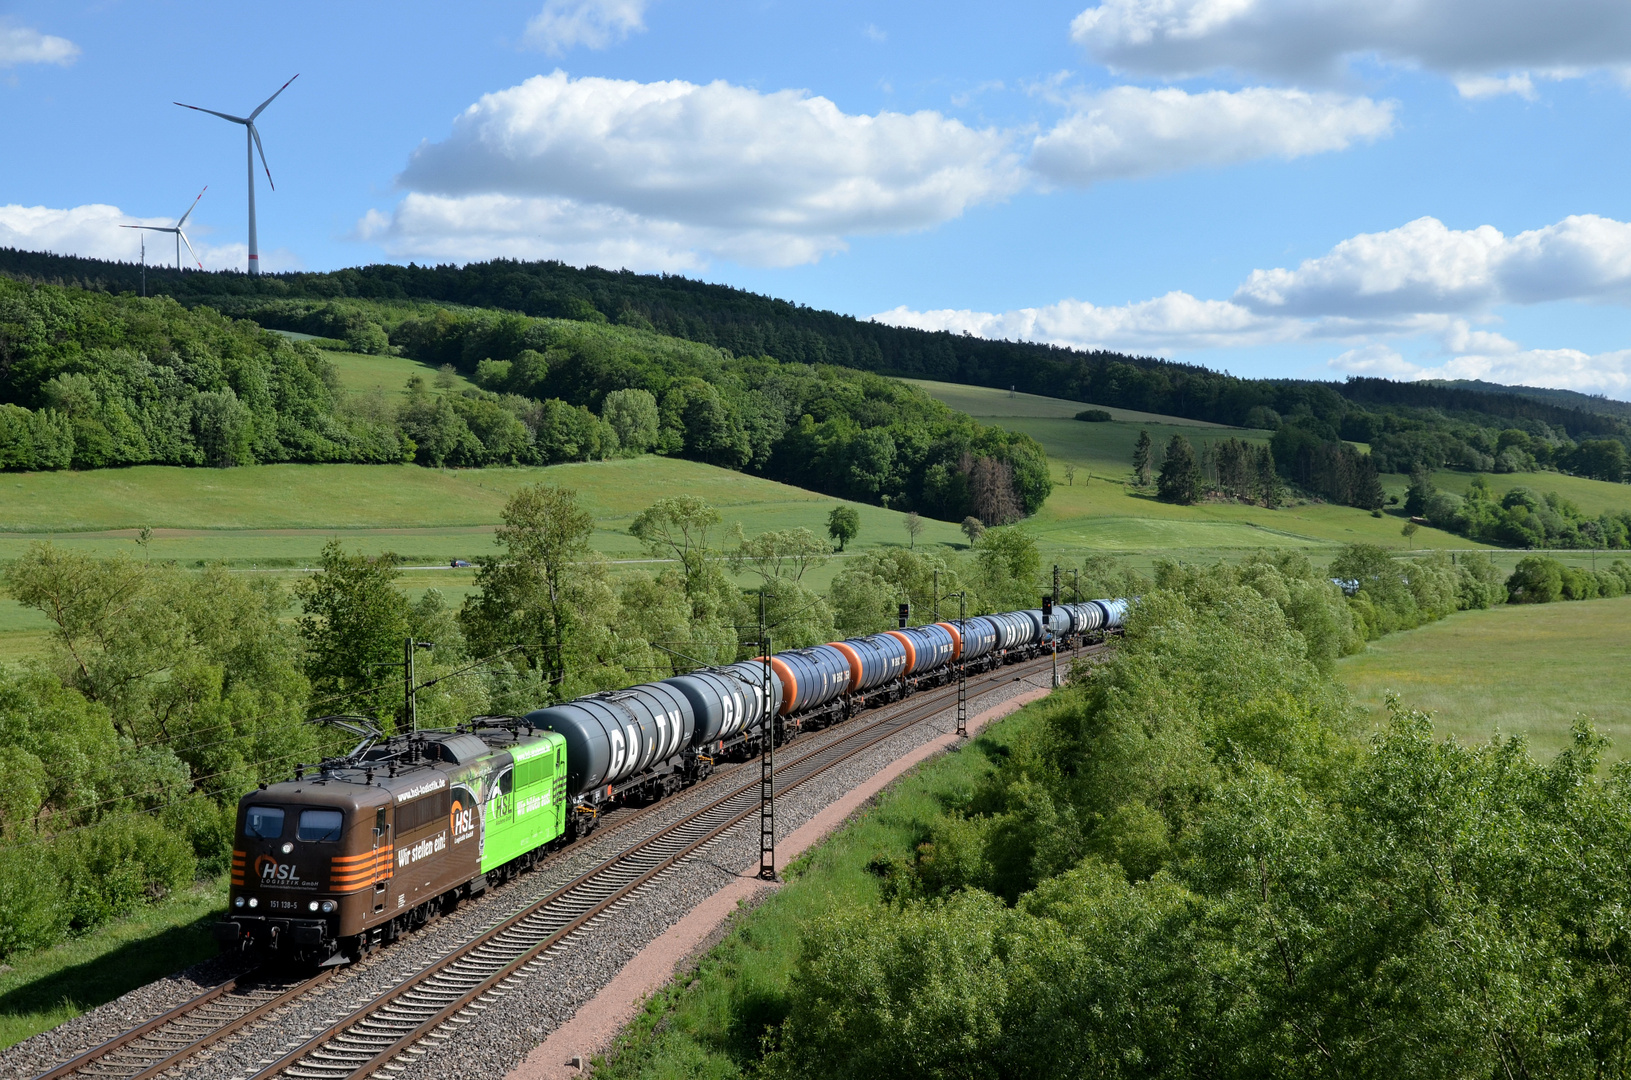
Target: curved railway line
{"x":380,"y":1036}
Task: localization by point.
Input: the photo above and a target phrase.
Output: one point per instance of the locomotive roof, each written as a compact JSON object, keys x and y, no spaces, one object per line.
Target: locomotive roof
{"x":371,"y":780}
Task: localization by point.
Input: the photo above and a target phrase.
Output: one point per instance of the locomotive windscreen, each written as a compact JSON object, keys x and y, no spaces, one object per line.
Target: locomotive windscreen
{"x":265,"y":822}
{"x":319,"y":825}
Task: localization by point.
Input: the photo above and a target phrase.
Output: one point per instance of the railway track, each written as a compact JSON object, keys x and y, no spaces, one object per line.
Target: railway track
{"x":466,"y":980}
{"x":381,"y":1036}
{"x":170,"y":1038}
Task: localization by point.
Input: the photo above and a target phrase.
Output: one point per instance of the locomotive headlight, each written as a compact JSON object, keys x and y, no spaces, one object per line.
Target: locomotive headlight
{"x":287,"y":848}
{"x":254,"y":902}
{"x":328,"y":905}
{"x":238,"y":902}
{"x":312,"y":906}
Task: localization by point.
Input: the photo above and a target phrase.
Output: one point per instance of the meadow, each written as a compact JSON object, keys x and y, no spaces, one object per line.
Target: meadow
{"x":1528,"y":669}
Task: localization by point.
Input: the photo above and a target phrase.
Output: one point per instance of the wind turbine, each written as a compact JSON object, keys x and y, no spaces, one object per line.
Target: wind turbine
{"x":253,"y":143}
{"x":181,"y":237}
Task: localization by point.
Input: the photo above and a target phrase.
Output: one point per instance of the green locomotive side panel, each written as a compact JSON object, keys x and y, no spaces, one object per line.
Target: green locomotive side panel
{"x":526,"y":802}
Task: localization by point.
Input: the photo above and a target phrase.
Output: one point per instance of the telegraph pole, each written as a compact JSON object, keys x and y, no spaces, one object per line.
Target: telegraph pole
{"x":767,"y":759}
{"x":962,"y":684}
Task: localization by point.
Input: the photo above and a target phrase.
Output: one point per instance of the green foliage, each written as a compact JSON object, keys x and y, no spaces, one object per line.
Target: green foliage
{"x":1331,"y":468}
{"x":1187,"y":866}
{"x":867,"y":592}
{"x":632,"y":414}
{"x":1007,"y":571}
{"x":94,"y":380}
{"x":1538,"y":579}
{"x":354,"y":623}
{"x":1180,"y":480}
{"x":843,"y":524}
{"x":1094,"y":416}
{"x":1143,"y":459}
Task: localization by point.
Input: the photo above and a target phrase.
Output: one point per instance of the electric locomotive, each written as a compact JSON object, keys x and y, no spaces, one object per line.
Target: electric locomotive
{"x":367,"y":847}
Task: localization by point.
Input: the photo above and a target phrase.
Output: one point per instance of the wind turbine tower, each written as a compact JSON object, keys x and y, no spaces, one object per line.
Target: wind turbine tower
{"x":181,"y":237}
{"x":253,"y":143}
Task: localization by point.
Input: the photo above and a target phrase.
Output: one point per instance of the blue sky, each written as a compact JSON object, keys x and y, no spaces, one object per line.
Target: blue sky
{"x":1410,"y":188}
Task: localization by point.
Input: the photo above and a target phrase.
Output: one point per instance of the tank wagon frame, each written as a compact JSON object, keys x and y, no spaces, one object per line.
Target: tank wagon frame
{"x":373,"y":844}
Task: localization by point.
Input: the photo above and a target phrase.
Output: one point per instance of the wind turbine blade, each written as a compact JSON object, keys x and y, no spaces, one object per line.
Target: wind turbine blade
{"x":191,"y":208}
{"x":212,"y":112}
{"x":152,"y":228}
{"x":190,"y":250}
{"x":273,"y":98}
{"x":268,"y":168}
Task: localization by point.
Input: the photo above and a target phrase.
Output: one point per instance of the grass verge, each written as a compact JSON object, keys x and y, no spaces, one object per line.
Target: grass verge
{"x":710,"y":1022}
{"x":49,"y":987}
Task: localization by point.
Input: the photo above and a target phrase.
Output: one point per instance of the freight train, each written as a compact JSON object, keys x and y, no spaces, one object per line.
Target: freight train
{"x":354,"y":852}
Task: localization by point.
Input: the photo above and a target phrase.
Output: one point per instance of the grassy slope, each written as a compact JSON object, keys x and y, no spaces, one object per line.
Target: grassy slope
{"x":53,"y":985}
{"x":1523,"y":669}
{"x":283,"y":514}
{"x":1099,"y":511}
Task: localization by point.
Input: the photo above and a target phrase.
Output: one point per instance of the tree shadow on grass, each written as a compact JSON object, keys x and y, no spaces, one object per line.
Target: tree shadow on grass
{"x":117,"y":972}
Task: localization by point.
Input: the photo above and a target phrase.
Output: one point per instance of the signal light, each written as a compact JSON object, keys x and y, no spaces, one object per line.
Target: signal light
{"x":905,"y":615}
{"x":1047,"y":608}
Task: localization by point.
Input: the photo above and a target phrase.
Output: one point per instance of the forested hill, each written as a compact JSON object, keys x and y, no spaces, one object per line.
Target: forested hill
{"x":1408,"y":420}
{"x":89,"y":379}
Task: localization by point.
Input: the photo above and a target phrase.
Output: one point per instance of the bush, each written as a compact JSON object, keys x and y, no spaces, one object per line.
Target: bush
{"x":1536,"y":580}
{"x":1094,"y":416}
{"x":115,"y":866}
{"x":32,"y":914}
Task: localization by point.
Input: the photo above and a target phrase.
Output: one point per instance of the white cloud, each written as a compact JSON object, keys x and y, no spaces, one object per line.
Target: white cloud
{"x":1174,"y":321}
{"x":25,"y":45}
{"x":1316,"y":39}
{"x":1422,"y":281}
{"x":1129,"y":131}
{"x":1425,"y":266}
{"x":597,"y":24}
{"x":1563,"y":369}
{"x":93,"y":231}
{"x":1484,"y":86}
{"x":720,"y":170}
{"x":1382,"y":361}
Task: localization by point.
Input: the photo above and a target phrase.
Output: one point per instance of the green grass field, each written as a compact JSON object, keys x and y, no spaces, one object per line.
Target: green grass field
{"x":1101,"y":511}
{"x":1523,"y":669}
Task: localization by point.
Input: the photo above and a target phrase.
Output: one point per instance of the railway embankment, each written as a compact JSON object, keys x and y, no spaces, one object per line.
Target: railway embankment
{"x":704,"y":1002}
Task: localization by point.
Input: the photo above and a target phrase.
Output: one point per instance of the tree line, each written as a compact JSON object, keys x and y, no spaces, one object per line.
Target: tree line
{"x":1422,"y":423}
{"x":166,"y":693}
{"x":89,"y":380}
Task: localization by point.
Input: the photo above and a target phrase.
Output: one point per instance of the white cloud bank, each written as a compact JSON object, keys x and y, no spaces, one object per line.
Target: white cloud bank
{"x":93,"y":232}
{"x":595,"y":24}
{"x":1422,"y":279}
{"x":1315,"y":40}
{"x":677,"y":171}
{"x":25,"y":45}
{"x":669,"y":175}
{"x":1129,"y":131}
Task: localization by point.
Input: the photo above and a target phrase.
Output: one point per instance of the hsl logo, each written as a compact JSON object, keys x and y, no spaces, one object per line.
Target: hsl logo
{"x":269,"y":869}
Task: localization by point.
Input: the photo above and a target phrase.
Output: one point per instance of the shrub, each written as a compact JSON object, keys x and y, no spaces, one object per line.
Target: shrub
{"x":1536,"y":580}
{"x":1094,"y":416}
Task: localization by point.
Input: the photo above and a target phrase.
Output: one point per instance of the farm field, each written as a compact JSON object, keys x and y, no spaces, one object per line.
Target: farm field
{"x":1529,"y":669}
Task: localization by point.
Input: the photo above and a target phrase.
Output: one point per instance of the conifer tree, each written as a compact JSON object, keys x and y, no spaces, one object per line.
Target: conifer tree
{"x":1143,"y":450}
{"x":1180,"y":481}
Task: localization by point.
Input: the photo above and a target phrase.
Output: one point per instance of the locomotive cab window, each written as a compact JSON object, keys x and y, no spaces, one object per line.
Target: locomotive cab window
{"x":265,"y":822}
{"x":319,"y":825}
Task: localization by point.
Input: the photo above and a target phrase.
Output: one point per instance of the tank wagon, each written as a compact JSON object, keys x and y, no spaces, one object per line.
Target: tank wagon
{"x":351,"y":854}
